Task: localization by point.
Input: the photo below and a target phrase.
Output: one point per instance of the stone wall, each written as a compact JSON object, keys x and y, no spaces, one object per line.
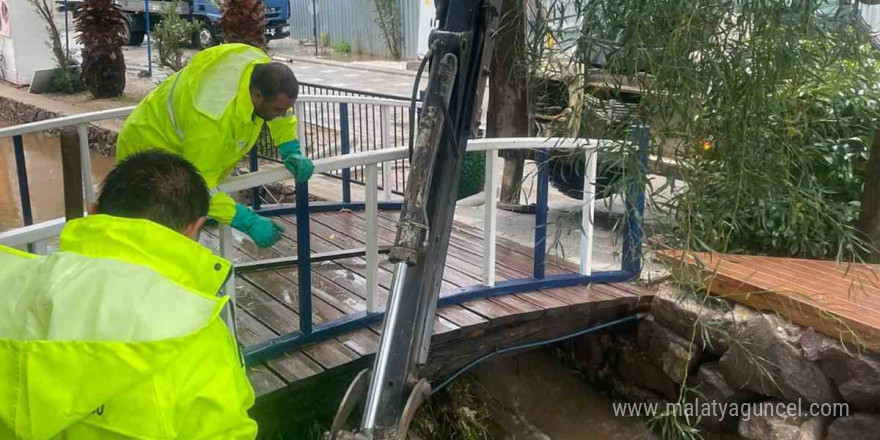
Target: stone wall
{"x":101,"y":139}
{"x":733,"y":357}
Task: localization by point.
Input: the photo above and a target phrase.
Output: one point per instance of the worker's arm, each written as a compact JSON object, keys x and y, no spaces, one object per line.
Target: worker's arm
{"x":222,"y":207}
{"x":212,"y":153}
{"x":284,"y":135}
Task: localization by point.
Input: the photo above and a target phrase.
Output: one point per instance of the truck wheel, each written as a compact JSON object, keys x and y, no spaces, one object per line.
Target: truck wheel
{"x":132,"y":38}
{"x":206,"y":37}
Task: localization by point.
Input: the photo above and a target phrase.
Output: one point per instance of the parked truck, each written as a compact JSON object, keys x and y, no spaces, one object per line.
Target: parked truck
{"x":206,"y":12}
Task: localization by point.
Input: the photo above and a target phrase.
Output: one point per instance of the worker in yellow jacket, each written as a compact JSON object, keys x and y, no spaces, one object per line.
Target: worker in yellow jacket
{"x":211,"y":112}
{"x":118,"y":335}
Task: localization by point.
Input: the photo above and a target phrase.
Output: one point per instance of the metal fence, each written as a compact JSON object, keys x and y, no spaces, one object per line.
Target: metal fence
{"x":348,"y":21}
{"x":333,"y":129}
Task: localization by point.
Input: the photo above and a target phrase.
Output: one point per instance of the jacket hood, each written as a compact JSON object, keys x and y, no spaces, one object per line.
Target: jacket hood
{"x":219,"y":74}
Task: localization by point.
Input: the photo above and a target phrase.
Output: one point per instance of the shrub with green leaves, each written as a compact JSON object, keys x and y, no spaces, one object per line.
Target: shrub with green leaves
{"x":67,"y":80}
{"x":172,"y":35}
{"x":767,"y":106}
{"x":342,"y":48}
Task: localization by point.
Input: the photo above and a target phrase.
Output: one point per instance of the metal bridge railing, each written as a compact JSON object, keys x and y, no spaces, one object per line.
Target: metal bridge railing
{"x":392,"y":174}
{"x":371,"y":161}
{"x":332,"y":128}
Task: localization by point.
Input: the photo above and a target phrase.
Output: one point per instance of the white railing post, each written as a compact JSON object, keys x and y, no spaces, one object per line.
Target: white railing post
{"x":85,"y":158}
{"x":227,"y":243}
{"x":371,"y":212}
{"x":587,"y":210}
{"x":489,"y":220}
{"x":386,"y":166}
{"x":40,"y":247}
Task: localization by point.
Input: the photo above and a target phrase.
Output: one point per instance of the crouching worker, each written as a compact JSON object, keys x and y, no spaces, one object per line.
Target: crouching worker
{"x":212,"y":112}
{"x":118,"y":334}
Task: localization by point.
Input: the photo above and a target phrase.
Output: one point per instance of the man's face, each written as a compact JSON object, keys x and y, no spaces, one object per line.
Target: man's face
{"x":269,"y":109}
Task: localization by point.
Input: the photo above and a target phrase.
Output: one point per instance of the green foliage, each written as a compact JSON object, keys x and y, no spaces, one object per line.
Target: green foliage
{"x":473,"y":174}
{"x":172,"y":34}
{"x":769,"y":128}
{"x":324,"y":38}
{"x":66,"y":77}
{"x":44,"y":10}
{"x":388,"y":20}
{"x":67,"y":80}
{"x":342,"y":47}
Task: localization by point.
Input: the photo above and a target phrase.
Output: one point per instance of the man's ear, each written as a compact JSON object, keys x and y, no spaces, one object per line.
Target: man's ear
{"x":256,"y":97}
{"x":92,"y":208}
{"x":192,"y":231}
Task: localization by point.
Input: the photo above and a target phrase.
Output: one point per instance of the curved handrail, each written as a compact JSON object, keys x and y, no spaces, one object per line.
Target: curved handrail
{"x":51,"y":228}
{"x":278,"y":173}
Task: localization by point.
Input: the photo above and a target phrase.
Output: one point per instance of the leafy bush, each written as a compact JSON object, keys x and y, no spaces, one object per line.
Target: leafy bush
{"x":769,"y":128}
{"x":67,"y":80}
{"x":324,"y":39}
{"x":172,"y":34}
{"x":342,"y":48}
{"x":66,"y":77}
{"x":798,"y":191}
{"x":473,"y":174}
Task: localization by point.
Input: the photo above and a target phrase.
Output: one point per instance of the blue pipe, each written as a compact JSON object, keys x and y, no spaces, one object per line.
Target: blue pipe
{"x":594,"y":328}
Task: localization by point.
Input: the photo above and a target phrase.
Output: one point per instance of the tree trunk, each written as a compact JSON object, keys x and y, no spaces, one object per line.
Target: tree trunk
{"x":869,"y":217}
{"x":508,"y":112}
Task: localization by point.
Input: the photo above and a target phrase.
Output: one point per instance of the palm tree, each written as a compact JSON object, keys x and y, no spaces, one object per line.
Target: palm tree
{"x":101,"y":26}
{"x":242,"y":21}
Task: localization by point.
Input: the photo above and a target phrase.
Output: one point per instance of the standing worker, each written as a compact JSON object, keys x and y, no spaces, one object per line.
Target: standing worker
{"x":211,"y":112}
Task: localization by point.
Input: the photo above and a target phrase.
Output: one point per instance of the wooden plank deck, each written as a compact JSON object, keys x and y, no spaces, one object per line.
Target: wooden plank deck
{"x":839,"y":300}
{"x":267,"y":301}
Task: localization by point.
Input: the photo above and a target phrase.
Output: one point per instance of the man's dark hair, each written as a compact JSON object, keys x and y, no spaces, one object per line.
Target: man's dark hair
{"x":156,"y":186}
{"x":274,"y":78}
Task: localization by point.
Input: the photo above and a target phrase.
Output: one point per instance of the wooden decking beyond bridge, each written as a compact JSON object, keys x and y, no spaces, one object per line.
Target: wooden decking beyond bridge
{"x":838,"y":299}
{"x":267,"y":302}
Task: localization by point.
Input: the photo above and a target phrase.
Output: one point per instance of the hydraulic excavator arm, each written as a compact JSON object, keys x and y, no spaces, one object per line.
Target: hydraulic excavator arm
{"x":394,"y":388}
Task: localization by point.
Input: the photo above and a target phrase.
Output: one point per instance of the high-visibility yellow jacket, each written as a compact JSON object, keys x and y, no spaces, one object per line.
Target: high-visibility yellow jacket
{"x":204,"y":113}
{"x":118,"y":336}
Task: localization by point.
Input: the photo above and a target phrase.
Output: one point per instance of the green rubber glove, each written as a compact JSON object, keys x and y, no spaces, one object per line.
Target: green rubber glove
{"x":300,"y":166}
{"x":263,"y":232}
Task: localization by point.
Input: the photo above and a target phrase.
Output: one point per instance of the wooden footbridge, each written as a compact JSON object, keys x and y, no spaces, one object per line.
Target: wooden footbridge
{"x":308,"y":311}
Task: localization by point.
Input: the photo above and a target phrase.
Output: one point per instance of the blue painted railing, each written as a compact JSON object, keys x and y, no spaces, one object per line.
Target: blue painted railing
{"x":309,"y":333}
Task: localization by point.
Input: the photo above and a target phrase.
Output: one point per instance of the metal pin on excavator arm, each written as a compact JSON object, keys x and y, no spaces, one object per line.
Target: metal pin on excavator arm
{"x":393,"y":389}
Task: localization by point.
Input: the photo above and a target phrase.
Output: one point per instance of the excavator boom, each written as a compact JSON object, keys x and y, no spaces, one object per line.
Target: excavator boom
{"x":393,"y":389}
